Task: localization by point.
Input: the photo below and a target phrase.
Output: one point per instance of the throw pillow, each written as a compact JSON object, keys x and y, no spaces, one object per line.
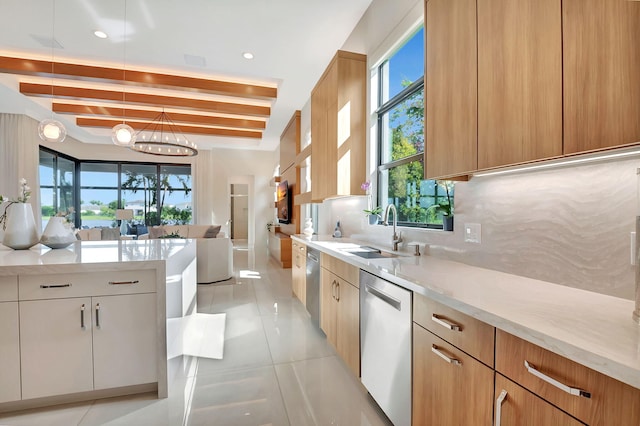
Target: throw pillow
{"x":157,"y":232}
{"x":141,"y":230}
{"x":212,"y":231}
{"x":110,"y":234}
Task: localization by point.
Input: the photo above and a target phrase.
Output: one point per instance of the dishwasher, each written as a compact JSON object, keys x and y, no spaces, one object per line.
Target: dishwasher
{"x":385,"y":346}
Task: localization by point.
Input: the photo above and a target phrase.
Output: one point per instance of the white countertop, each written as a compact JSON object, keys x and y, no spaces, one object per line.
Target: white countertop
{"x":592,"y":329}
{"x":89,"y":255}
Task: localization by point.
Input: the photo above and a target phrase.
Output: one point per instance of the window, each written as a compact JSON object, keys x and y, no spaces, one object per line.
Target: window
{"x":401,"y":139}
{"x":57,"y":189}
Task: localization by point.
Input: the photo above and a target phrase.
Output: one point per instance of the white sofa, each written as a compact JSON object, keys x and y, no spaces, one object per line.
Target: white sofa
{"x":214,"y":249}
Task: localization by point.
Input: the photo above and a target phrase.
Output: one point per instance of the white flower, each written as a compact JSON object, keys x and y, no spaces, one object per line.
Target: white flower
{"x":23,"y":181}
{"x":27,"y":188}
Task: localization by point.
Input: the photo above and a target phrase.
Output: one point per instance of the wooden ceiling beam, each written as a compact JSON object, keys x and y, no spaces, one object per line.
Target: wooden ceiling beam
{"x":132,"y":77}
{"x":192,"y":130}
{"x":140,"y":114}
{"x":57,"y":91}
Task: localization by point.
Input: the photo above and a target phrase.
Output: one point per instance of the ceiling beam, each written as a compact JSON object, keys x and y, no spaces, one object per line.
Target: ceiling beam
{"x":132,"y":77}
{"x":57,"y":91}
{"x":107,"y":111}
{"x":192,"y":130}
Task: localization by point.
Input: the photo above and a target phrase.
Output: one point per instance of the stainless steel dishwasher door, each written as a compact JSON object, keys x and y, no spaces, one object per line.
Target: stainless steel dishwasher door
{"x":385,"y":346}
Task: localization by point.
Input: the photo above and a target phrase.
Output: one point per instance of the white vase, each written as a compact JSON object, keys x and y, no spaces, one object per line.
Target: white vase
{"x":56,"y":234}
{"x":308,"y":227}
{"x":20,"y":232}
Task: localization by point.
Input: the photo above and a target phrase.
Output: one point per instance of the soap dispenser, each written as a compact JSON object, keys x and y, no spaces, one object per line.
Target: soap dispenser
{"x":337,"y":232}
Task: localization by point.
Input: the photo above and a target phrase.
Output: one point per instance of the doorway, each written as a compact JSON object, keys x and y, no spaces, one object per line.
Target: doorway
{"x":239,"y":212}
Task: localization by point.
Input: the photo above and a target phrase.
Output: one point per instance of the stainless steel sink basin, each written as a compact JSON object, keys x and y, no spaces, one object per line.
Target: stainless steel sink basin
{"x":370,"y":252}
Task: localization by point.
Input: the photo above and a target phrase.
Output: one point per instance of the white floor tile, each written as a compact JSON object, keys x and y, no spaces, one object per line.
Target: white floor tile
{"x":62,"y":415}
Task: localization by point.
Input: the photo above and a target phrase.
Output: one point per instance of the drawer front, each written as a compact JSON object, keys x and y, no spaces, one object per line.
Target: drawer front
{"x":57,"y":286}
{"x":469,"y":334}
{"x":9,"y":288}
{"x":609,"y":401}
{"x":342,"y":269}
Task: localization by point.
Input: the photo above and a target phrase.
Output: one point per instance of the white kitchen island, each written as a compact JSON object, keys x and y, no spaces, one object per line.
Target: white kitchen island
{"x":90,"y":321}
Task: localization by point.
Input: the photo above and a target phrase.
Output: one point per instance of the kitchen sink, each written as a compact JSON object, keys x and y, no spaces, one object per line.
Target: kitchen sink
{"x":370,"y":252}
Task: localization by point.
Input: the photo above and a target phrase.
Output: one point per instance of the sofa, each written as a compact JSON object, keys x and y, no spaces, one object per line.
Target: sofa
{"x":214,"y":248}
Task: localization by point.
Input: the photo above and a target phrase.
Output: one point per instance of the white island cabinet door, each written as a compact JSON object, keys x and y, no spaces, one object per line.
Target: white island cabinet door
{"x":56,"y":350}
{"x":9,"y":352}
{"x":124,"y":340}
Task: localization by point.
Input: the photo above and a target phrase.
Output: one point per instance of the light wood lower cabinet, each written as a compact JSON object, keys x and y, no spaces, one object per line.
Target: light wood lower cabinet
{"x":449,"y":386}
{"x":299,"y":271}
{"x":519,"y":407}
{"x":9,"y":352}
{"x":340,"y":317}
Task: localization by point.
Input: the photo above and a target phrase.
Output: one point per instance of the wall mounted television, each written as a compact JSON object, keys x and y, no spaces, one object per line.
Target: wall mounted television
{"x":283,"y":202}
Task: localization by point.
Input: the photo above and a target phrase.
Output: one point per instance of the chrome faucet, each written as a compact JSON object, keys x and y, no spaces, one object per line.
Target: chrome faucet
{"x":396,"y":236}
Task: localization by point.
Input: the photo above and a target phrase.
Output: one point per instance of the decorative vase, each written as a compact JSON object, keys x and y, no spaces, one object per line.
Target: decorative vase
{"x":373,"y":219}
{"x":21,"y":232}
{"x":56,"y":234}
{"x":308,"y":227}
{"x":447,"y":223}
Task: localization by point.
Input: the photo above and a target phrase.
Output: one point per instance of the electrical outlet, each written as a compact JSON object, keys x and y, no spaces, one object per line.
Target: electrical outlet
{"x":472,"y":233}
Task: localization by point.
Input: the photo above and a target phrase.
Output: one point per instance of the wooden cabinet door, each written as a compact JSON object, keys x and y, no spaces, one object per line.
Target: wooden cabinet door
{"x":601,"y":57}
{"x":323,"y":158}
{"x":299,"y":272}
{"x":348,"y":325}
{"x":450,"y":88}
{"x":55,"y":351}
{"x":519,"y":81}
{"x":448,"y":393}
{"x":522,"y":408}
{"x":9,"y":352}
{"x":328,"y":308}
{"x":124,"y":340}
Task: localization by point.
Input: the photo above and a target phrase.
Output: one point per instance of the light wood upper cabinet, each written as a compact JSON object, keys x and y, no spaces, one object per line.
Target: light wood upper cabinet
{"x":338,"y":128}
{"x":601,"y":41}
{"x":519,"y":81}
{"x":450,"y":88}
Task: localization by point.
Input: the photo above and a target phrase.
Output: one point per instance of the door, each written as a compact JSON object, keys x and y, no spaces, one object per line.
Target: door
{"x":239,"y":211}
{"x":348,"y":325}
{"x":9,"y":352}
{"x":55,"y":349}
{"x":124,"y":332}
{"x":328,"y":308}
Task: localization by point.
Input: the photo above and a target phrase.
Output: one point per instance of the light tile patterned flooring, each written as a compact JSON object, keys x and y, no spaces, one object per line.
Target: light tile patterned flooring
{"x":277,"y":368}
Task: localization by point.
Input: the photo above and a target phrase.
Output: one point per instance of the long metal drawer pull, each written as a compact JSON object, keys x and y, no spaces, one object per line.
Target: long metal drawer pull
{"x":573,"y":391}
{"x":383,"y":296}
{"x":97,"y":315}
{"x":447,"y":358}
{"x":501,"y":398}
{"x":123,"y":282}
{"x":82,"y":317}
{"x":55,"y":285}
{"x":446,"y":324}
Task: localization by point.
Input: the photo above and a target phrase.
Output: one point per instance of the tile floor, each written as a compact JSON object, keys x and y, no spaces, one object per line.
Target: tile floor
{"x":277,"y":368}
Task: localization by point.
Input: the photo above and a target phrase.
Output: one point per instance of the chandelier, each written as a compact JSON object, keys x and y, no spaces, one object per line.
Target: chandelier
{"x":163,"y":137}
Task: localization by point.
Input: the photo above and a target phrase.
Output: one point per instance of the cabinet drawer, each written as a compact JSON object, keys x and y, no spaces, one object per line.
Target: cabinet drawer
{"x":342,"y":269}
{"x":469,"y":334}
{"x":57,"y":286}
{"x":609,"y":401}
{"x":9,"y":288}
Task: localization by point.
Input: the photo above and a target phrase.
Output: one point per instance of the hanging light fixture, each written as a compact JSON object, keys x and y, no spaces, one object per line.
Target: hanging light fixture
{"x":122,"y":134}
{"x":51,"y":130}
{"x":163,"y":137}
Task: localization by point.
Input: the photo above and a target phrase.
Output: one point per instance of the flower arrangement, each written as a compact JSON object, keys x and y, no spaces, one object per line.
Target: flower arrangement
{"x":25,"y":194}
{"x":370,"y":210}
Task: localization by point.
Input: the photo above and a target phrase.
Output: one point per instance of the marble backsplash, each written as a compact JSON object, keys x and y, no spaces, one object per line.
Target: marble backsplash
{"x":569,"y":226}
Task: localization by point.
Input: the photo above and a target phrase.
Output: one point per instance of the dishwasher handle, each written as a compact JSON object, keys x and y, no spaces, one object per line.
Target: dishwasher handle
{"x":312,"y":257}
{"x":395,"y":303}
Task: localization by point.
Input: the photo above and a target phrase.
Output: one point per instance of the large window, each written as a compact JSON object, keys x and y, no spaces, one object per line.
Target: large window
{"x":401,"y":139}
{"x":104,"y":187}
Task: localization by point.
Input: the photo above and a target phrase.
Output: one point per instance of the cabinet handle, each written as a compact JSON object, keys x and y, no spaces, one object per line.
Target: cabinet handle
{"x":55,"y":285}
{"x":446,"y":324}
{"x":573,"y":391}
{"x":499,"y":402}
{"x":97,"y":315}
{"x":333,"y":289}
{"x":338,"y":292}
{"x":82,"y":317}
{"x":123,"y":282}
{"x":447,"y":358}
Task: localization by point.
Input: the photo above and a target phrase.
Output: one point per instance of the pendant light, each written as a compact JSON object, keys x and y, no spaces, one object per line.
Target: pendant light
{"x":122,"y":134}
{"x":51,"y":130}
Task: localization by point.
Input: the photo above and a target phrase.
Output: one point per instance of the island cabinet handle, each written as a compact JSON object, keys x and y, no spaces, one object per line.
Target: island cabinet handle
{"x":55,"y":285}
{"x":82,"y":317}
{"x":123,"y":282}
{"x":338,"y":291}
{"x":445,"y":323}
{"x":572,"y":391}
{"x":334,"y":285}
{"x":447,"y":358}
{"x":501,"y":398}
{"x":97,"y":315}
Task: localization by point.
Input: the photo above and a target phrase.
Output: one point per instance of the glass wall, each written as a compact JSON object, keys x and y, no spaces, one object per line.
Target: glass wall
{"x":98,"y":194}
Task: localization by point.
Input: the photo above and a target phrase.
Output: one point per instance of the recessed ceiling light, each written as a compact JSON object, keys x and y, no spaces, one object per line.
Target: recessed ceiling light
{"x":100,"y":34}
{"x":247,"y":55}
